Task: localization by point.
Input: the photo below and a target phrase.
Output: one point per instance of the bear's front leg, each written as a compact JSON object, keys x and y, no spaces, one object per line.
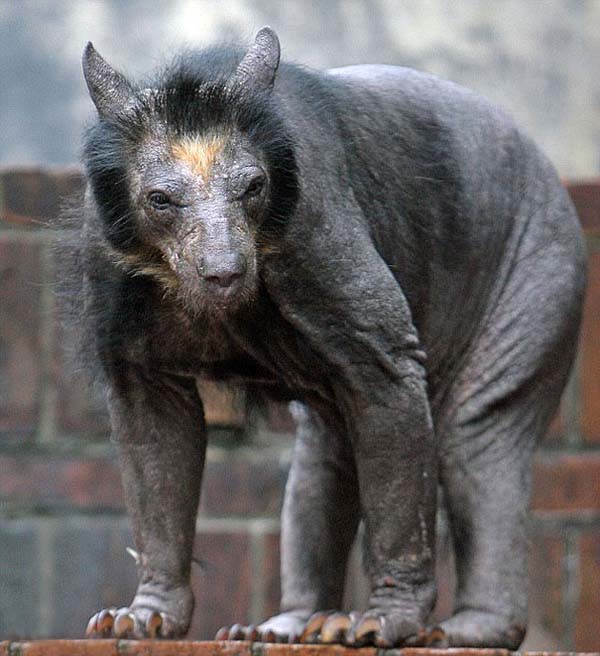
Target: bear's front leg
{"x":396,"y":465}
{"x":353,"y":313}
{"x":158,"y":425}
{"x":397,"y":470}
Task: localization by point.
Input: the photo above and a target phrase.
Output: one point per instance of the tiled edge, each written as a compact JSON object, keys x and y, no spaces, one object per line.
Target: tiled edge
{"x":230,"y":648}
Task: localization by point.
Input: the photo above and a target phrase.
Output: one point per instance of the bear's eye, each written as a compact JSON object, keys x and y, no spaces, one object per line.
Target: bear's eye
{"x":255,"y":186}
{"x":159,"y":200}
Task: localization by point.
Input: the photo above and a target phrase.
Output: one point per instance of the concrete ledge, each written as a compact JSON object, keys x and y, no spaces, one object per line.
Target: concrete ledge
{"x":229,"y":648}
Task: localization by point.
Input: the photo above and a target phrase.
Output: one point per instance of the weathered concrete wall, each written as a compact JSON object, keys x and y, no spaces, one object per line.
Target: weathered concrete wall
{"x":538,"y":58}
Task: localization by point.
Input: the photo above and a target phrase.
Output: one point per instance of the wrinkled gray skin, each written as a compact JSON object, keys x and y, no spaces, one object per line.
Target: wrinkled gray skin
{"x":425,"y":324}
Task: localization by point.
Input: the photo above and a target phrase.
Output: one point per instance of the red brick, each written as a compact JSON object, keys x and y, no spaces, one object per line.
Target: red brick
{"x":33,"y":198}
{"x":555,"y":430}
{"x":237,"y":486}
{"x":270,"y":574}
{"x":182,"y":648}
{"x":547,"y":583}
{"x":222,"y":585}
{"x":224,"y":648}
{"x":586,"y":198}
{"x":38,"y":480}
{"x":211,"y":648}
{"x":279,"y":418}
{"x":587,"y":626}
{"x":462,"y":651}
{"x":4,"y":648}
{"x":445,"y":576}
{"x":315,"y":650}
{"x":555,"y":435}
{"x":20,"y":333}
{"x":569,"y":483}
{"x":590,"y":355}
{"x":81,"y":409}
{"x":221,"y":406}
{"x":66,"y":648}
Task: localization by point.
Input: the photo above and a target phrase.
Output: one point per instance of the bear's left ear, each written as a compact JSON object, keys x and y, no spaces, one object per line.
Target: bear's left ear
{"x":109,"y":90}
{"x":259,"y":66}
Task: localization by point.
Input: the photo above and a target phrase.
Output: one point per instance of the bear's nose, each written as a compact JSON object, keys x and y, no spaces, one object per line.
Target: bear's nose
{"x":223,"y":270}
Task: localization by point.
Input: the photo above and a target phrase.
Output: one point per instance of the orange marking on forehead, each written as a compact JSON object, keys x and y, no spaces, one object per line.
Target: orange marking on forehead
{"x":199,"y":153}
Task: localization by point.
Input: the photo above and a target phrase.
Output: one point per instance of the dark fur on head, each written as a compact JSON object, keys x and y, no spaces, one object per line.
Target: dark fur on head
{"x":189,"y":98}
{"x":102,"y":235}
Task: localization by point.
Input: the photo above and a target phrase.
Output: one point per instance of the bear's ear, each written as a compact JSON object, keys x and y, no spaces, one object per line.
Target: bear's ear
{"x":109,"y":90}
{"x":259,"y":66}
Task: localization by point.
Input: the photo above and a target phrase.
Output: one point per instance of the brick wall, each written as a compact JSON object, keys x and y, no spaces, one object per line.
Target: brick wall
{"x":63,"y":530}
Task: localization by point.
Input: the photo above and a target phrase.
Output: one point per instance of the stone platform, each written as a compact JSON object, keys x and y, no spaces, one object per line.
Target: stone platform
{"x":230,"y":648}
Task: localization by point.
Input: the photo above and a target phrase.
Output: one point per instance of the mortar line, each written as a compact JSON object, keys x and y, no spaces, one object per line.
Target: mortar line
{"x":256,"y":610}
{"x":25,"y":235}
{"x":571,"y":587}
{"x":228,"y":524}
{"x":592,"y":243}
{"x":46,"y":429}
{"x":46,"y":581}
{"x":572,"y":406}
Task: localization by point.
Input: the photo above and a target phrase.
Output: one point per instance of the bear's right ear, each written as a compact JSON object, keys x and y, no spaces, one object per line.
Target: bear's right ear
{"x":258,"y":68}
{"x":109,"y":90}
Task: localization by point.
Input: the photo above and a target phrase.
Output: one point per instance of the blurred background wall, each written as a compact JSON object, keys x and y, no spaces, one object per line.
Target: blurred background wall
{"x":538,"y":58}
{"x":63,"y":530}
